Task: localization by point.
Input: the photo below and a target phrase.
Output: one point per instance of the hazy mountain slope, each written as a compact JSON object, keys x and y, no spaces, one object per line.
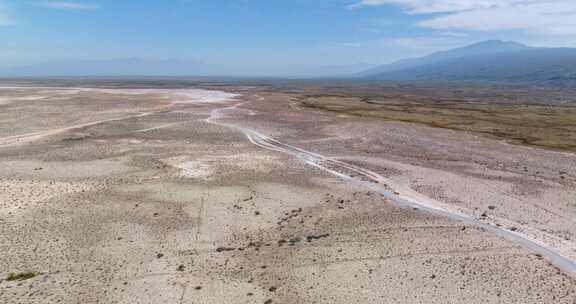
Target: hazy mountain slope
{"x":538,"y":65}
{"x":116,"y":67}
{"x":143,"y":67}
{"x":486,"y":47}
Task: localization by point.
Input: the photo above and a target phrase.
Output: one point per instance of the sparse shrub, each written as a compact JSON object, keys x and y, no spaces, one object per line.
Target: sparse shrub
{"x":21,"y":276}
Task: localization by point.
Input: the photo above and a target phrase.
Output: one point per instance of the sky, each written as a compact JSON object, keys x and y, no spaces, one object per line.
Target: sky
{"x":271,"y":37}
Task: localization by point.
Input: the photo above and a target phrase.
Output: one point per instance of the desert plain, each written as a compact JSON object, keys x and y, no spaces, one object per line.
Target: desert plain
{"x":165,"y":191}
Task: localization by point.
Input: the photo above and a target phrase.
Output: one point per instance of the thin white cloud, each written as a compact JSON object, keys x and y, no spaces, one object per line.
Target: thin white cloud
{"x":424,"y":44}
{"x":553,"y":17}
{"x":69,"y":5}
{"x":5,"y":17}
{"x":443,"y":6}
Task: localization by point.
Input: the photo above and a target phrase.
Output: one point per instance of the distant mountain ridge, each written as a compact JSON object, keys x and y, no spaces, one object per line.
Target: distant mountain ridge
{"x":111,"y":67}
{"x":163,"y":67}
{"x":485,"y":47}
{"x":486,"y":61}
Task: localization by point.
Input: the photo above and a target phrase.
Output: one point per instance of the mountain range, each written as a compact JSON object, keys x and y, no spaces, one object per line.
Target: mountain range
{"x":170,"y":67}
{"x":497,"y":61}
{"x":493,"y":61}
{"x":112,"y":67}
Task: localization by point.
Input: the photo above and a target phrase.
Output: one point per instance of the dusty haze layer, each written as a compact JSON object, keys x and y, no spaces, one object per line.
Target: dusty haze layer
{"x":150,"y":195}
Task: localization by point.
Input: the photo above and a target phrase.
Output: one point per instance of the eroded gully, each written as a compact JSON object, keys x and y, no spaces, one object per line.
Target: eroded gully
{"x":398,"y":194}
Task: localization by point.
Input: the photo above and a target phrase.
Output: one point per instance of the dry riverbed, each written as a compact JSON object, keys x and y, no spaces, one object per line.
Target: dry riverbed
{"x":132,"y":195}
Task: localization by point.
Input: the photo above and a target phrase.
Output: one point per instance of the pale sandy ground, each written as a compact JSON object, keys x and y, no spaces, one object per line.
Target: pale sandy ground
{"x":524,"y":190}
{"x":166,"y":208}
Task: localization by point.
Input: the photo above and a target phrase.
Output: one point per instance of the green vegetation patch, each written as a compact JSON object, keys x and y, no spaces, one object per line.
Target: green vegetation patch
{"x":545,"y":126}
{"x":21,"y":276}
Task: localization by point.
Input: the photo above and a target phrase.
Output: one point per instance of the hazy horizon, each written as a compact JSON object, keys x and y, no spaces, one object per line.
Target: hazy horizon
{"x":258,"y":38}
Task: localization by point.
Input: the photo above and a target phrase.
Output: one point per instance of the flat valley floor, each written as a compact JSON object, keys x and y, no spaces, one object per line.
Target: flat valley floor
{"x":239,"y":193}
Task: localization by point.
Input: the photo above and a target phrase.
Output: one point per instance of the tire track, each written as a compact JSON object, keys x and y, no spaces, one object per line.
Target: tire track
{"x":542,"y":243}
{"x":30,"y":137}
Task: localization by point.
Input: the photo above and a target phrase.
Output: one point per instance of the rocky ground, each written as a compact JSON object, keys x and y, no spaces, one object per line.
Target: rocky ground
{"x":132,"y":197}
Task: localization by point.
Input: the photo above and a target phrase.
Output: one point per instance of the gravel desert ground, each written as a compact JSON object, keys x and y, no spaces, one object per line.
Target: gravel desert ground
{"x":137,"y":192}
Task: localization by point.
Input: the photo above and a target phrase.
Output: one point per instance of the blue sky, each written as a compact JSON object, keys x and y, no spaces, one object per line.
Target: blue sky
{"x":271,"y":36}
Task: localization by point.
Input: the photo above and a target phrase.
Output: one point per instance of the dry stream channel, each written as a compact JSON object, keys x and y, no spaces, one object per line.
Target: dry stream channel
{"x":403,"y":196}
